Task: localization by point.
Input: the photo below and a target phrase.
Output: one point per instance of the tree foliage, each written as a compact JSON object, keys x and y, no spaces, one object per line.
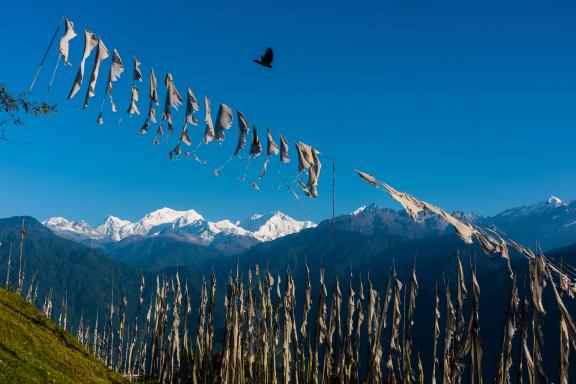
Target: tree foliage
{"x":13,"y":105}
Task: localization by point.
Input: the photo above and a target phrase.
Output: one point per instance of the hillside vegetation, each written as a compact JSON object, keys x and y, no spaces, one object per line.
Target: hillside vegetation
{"x":35,"y":350}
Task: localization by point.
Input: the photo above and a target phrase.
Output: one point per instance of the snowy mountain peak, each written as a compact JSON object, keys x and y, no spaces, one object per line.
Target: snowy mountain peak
{"x":164,"y":215}
{"x":112,"y":228}
{"x":113,"y":220}
{"x":62,"y":222}
{"x":154,"y":222}
{"x":553,"y":200}
{"x":273,"y":225}
{"x":551,"y":203}
{"x":54,"y":221}
{"x":73,"y":230}
{"x":372,"y":207}
{"x":358,"y":211}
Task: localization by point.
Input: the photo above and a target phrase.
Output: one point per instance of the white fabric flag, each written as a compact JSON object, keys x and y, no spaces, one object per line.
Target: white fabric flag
{"x":256,"y":146}
{"x":314,"y":174}
{"x":133,"y":108}
{"x":464,"y":231}
{"x":243,"y":130}
{"x":101,"y":55}
{"x":90,"y":42}
{"x":308,"y":159}
{"x":209,"y":131}
{"x":272,"y":147}
{"x":413,"y":207}
{"x":224,"y":121}
{"x":284,"y":156}
{"x":64,"y":45}
{"x":153,"y":96}
{"x":145,"y":127}
{"x":116,"y":69}
{"x":153,"y":87}
{"x":175,"y":152}
{"x":271,"y":150}
{"x":152,"y":112}
{"x":192,"y":106}
{"x":184,"y":137}
{"x":173,"y":98}
{"x":137,"y":75}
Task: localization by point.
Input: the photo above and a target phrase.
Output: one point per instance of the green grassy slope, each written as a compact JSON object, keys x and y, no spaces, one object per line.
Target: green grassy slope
{"x":35,"y":350}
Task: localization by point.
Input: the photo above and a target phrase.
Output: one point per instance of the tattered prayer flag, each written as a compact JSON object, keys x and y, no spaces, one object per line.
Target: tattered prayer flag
{"x":64,"y":45}
{"x":90,"y":42}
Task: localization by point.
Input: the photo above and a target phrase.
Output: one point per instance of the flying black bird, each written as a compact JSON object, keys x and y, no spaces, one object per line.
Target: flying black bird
{"x":266,"y":59}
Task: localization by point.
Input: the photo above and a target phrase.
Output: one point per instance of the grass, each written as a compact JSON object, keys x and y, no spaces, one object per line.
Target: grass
{"x":35,"y":350}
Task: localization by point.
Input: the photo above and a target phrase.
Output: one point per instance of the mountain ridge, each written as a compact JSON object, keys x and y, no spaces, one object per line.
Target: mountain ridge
{"x":186,"y":225}
{"x":551,"y":222}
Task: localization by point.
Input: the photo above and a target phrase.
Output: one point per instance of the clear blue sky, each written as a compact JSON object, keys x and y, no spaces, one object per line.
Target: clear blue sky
{"x":471,"y":105}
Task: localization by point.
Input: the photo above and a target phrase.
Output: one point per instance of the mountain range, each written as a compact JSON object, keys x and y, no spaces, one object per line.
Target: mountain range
{"x":169,"y":238}
{"x":188,"y":226}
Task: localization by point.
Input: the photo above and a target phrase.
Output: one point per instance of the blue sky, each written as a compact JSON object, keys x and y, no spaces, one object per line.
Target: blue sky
{"x":468,"y":105}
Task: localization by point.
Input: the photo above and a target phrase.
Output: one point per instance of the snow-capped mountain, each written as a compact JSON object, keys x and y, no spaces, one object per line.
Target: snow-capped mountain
{"x":155,"y":222}
{"x":547,"y":205}
{"x":111,"y":228}
{"x":73,"y":230}
{"x":188,"y":225}
{"x":551,"y":222}
{"x":273,"y":225}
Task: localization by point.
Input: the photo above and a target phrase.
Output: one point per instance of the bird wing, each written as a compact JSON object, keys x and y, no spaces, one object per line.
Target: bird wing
{"x":268,"y":56}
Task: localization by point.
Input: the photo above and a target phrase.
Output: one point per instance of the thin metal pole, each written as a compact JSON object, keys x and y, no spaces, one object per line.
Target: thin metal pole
{"x":333,"y":195}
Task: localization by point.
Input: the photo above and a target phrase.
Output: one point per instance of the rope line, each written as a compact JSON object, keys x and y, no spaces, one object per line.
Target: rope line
{"x":54,"y":73}
{"x":45,"y":54}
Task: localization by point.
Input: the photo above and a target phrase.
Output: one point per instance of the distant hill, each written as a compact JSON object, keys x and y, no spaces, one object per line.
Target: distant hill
{"x":85,"y":274}
{"x":154,"y":254}
{"x":35,"y":350}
